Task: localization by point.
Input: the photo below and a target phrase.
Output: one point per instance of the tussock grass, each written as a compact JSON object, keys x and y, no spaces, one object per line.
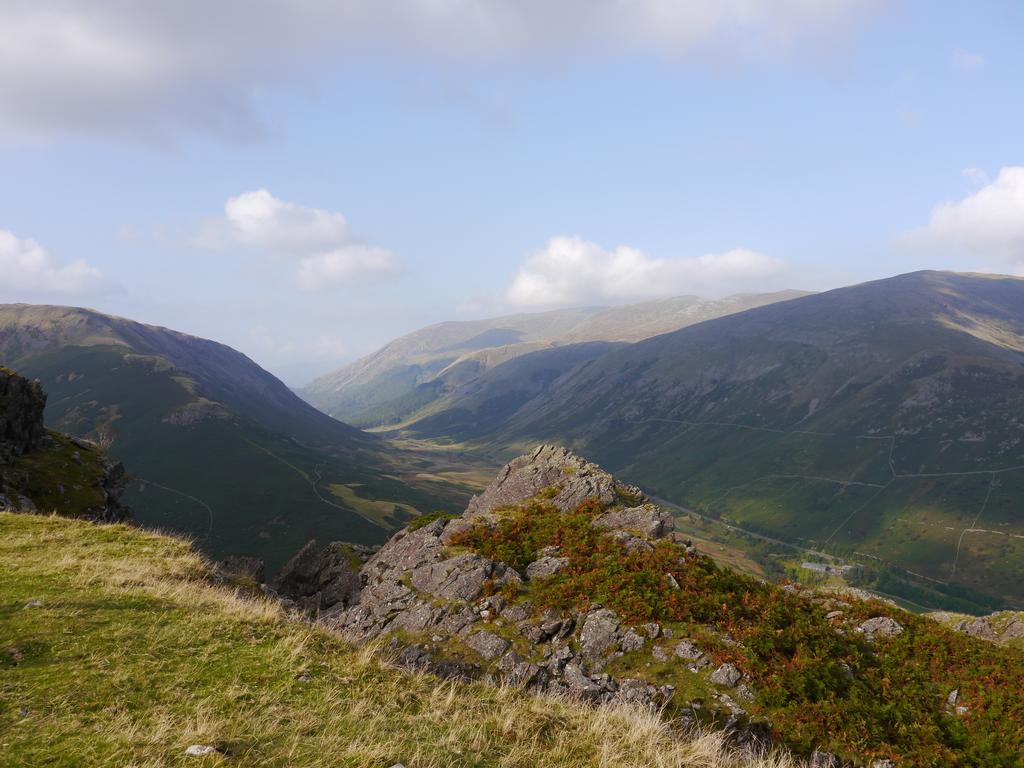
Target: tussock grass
{"x":135,"y":653}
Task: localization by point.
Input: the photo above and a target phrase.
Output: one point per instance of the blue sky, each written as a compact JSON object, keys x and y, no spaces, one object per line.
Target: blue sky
{"x":307,"y":184}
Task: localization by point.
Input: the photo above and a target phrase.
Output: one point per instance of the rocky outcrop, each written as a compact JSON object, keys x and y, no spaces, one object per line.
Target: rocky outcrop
{"x":1001,"y":628}
{"x":880,"y":627}
{"x":571,"y":481}
{"x":318,"y":579}
{"x":49,"y":471}
{"x":243,"y":567}
{"x":21,"y":415}
{"x":649,"y":521}
{"x":112,"y":483}
{"x":451,"y":607}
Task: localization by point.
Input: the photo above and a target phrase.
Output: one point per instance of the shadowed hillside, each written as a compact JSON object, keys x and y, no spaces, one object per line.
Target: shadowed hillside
{"x":410,"y":376}
{"x":882,"y":422}
{"x":215,"y":446}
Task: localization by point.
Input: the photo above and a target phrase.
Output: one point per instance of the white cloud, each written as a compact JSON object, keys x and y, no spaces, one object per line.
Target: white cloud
{"x":571,"y":270}
{"x":321,"y":241}
{"x":260,"y":219}
{"x":989,"y":222}
{"x":344,"y":264}
{"x":154,"y":68}
{"x":29,"y":273}
{"x":966,"y":61}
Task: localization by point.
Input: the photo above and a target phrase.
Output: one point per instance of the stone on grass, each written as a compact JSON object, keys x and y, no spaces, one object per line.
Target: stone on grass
{"x":880,"y":626}
{"x":599,"y":633}
{"x":545,"y":566}
{"x":727,"y":675}
{"x":487,"y":644}
{"x":687,"y":650}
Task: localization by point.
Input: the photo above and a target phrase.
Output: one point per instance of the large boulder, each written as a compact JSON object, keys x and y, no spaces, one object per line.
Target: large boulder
{"x":600,"y":634}
{"x":648,"y":520}
{"x":880,"y":627}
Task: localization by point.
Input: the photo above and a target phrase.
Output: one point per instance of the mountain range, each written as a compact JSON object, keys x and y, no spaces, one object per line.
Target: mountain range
{"x":215,"y":446}
{"x":879,"y":424}
{"x":883,"y":422}
{"x":409,"y":377}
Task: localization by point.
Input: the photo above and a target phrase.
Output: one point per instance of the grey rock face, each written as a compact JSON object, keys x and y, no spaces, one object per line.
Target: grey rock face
{"x":16,"y":503}
{"x":319,"y":578}
{"x":454,"y":602}
{"x":457,"y":578}
{"x":245,"y":567}
{"x":880,"y":627}
{"x":487,"y":644}
{"x":582,"y":685}
{"x":688,"y":651}
{"x":545,"y":566}
{"x":647,"y":520}
{"x":22,"y":431}
{"x":405,"y":552}
{"x":953,"y":706}
{"x":632,"y":542}
{"x":518,"y":612}
{"x":550,"y":466}
{"x":998,"y":628}
{"x":21,"y":415}
{"x":599,"y":635}
{"x":112,"y":485}
{"x":637,"y":692}
{"x":1013,"y":631}
{"x":631,"y":641}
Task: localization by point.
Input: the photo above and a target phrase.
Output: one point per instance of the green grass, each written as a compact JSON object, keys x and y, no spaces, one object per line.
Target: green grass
{"x":117,"y":648}
{"x":387,"y":514}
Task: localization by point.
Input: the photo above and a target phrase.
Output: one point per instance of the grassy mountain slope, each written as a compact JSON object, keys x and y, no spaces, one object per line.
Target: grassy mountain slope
{"x":881,"y":422}
{"x":410,"y":375}
{"x":216,"y":446}
{"x":235,"y":674}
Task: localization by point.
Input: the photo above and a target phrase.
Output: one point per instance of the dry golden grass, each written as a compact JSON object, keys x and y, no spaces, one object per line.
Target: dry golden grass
{"x":135,"y":653}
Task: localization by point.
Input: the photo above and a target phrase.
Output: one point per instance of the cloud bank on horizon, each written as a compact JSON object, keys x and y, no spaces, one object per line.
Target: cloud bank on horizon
{"x":152,"y":69}
{"x":572,"y":271}
{"x":29,"y":273}
{"x":988,"y":223}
